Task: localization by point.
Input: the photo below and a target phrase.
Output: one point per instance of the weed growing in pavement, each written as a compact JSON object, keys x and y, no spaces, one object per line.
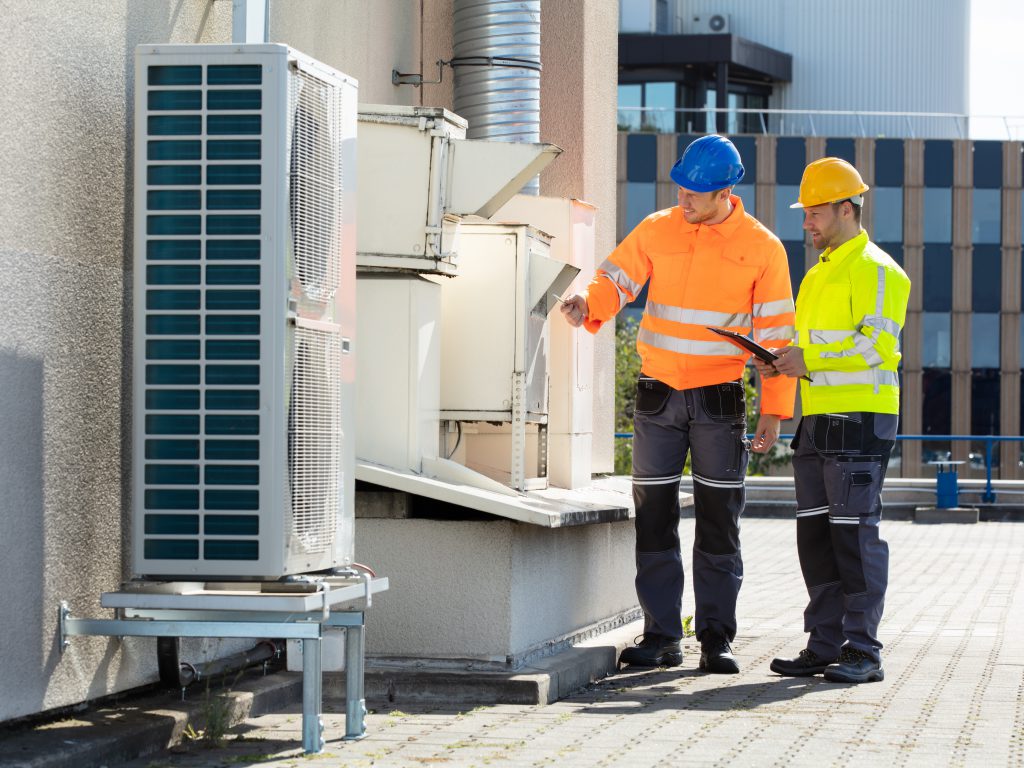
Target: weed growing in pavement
{"x":215,"y":714}
{"x":688,"y":630}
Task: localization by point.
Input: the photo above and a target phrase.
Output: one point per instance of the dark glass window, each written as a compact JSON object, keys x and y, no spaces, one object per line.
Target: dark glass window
{"x":844,"y":148}
{"x":986,"y":278}
{"x":938,"y":278}
{"x":790,"y":159}
{"x":938,"y":163}
{"x":795,"y":256}
{"x":988,"y":164}
{"x":936,"y":414}
{"x":747,"y":147}
{"x":985,"y":401}
{"x":641,"y":157}
{"x":889,"y":162}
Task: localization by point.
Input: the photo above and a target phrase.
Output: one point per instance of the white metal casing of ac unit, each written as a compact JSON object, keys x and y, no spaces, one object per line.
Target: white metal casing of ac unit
{"x":244,"y":312}
{"x":495,"y":332}
{"x":420,"y":176}
{"x":571,"y":401}
{"x":711,"y":24}
{"x":398,"y":381}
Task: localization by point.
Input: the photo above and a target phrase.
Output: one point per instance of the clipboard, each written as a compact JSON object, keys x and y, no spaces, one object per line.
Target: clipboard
{"x":751,"y":346}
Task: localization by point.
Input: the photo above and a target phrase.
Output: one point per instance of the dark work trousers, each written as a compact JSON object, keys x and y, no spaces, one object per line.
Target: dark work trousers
{"x":839,"y":464}
{"x":668,"y":423}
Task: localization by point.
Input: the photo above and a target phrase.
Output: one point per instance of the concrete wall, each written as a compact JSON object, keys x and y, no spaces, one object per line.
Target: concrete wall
{"x":65,"y":266}
{"x":492,"y":591}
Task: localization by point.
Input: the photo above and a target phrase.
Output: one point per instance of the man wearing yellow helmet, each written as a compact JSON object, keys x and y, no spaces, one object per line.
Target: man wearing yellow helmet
{"x":849,"y":313}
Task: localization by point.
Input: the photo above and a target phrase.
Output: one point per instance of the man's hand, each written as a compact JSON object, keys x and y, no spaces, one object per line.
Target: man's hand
{"x":575,"y":310}
{"x":764,"y":370}
{"x":767,"y":433}
{"x":791,"y":362}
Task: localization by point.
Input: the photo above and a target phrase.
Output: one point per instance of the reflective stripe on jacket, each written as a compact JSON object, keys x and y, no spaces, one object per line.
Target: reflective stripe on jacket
{"x":849,"y":313}
{"x":731,"y":275}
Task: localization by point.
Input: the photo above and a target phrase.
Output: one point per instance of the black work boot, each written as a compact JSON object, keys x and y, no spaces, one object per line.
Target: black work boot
{"x":807,"y":663}
{"x":716,"y":655}
{"x":653,"y":651}
{"x":854,"y":666}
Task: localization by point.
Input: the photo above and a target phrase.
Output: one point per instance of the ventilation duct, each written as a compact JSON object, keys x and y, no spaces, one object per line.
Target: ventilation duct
{"x":497,"y":70}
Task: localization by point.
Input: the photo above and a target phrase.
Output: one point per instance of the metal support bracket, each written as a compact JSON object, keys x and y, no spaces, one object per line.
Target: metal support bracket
{"x":292,"y":617}
{"x":415,"y":79}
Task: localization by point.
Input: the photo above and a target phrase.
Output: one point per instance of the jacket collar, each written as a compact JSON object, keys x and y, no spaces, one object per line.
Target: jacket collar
{"x":852,"y":245}
{"x":725,"y":228}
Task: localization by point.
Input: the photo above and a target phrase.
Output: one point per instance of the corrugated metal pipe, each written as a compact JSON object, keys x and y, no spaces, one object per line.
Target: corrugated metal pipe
{"x":497,"y":70}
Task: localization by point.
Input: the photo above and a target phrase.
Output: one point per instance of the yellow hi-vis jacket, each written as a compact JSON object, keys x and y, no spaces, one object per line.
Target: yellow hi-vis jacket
{"x":849,"y":313}
{"x":730,"y":275}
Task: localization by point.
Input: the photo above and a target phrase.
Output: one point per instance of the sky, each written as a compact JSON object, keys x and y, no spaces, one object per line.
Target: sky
{"x":997,"y":67}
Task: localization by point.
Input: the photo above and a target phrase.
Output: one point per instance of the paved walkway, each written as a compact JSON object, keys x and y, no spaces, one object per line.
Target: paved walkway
{"x":953,"y":695}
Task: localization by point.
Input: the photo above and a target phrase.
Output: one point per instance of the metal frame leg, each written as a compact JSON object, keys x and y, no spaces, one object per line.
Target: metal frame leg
{"x":312,"y":696}
{"x":355,"y":704}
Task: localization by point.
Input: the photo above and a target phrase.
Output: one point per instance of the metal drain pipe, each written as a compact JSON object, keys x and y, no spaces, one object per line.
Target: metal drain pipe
{"x":497,"y":70}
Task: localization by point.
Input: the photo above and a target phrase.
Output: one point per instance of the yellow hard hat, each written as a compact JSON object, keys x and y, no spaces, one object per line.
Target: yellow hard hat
{"x":830,"y":180}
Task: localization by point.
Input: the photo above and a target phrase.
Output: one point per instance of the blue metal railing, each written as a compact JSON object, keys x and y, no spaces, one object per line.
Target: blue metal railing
{"x":988,"y":495}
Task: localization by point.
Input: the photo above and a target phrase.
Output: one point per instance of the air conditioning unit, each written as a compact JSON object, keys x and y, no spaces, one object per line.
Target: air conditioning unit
{"x":712,"y":24}
{"x":244,"y":314}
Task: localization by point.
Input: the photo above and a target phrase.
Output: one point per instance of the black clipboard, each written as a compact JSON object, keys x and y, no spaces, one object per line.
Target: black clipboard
{"x":751,"y":346}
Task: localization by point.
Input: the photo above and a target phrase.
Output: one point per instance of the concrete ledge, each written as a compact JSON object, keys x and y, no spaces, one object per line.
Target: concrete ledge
{"x":542,"y":682}
{"x":947,"y":515}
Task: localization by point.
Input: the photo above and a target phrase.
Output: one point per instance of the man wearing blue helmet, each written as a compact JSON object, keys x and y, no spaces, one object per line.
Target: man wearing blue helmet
{"x":708,"y":263}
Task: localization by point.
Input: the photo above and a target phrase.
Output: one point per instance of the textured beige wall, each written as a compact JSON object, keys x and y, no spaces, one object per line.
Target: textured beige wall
{"x":579,"y":53}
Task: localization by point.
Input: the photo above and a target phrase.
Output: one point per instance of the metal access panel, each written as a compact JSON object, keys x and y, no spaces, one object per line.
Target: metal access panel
{"x":244,"y":312}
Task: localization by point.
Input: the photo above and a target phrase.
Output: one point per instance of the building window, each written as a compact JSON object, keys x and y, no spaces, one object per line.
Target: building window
{"x":648,"y":107}
{"x":631,"y":98}
{"x":888,"y":213}
{"x":789,"y":222}
{"x":640,"y":202}
{"x":985,"y":401}
{"x":938,"y":278}
{"x":985,"y":216}
{"x":936,"y":331}
{"x":889,"y":162}
{"x":795,"y":257}
{"x":745,"y":192}
{"x":986,"y":278}
{"x":938,"y":215}
{"x":984,"y":340}
{"x":935,"y":411}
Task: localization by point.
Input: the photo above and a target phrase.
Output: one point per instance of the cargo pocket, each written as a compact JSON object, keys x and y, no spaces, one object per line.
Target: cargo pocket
{"x":724,"y":402}
{"x":837,"y":433}
{"x":651,"y":395}
{"x":741,"y":450}
{"x":861,"y":478}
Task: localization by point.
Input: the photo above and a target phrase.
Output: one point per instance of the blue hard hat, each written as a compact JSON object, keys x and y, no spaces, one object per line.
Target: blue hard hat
{"x":708,"y":164}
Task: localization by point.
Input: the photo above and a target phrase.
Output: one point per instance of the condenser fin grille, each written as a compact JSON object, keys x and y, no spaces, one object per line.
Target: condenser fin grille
{"x":314,"y":438}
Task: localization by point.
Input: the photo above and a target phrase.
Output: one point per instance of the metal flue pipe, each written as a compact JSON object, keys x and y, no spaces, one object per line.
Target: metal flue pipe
{"x":497,"y":70}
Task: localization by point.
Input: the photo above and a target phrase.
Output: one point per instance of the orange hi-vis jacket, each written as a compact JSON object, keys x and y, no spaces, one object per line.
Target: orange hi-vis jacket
{"x":731,"y":275}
